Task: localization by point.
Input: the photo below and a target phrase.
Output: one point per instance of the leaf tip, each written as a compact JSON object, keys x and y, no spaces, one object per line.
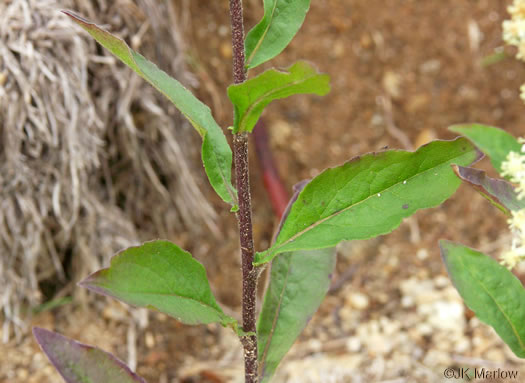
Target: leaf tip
{"x":75,"y":17}
{"x":40,"y":334}
{"x":92,"y":283}
{"x":443,"y":244}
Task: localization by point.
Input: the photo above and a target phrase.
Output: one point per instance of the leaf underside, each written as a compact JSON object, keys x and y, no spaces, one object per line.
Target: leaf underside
{"x":490,"y":290}
{"x":370,"y":195}
{"x":499,"y":192}
{"x":161,"y":276}
{"x":216,"y":152}
{"x":280,"y":23}
{"x":80,"y":363}
{"x":299,"y":282}
{"x":251,"y":97}
{"x":494,"y":142}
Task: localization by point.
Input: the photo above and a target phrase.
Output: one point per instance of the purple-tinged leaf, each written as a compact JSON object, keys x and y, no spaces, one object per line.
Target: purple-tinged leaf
{"x":494,"y":142}
{"x":499,"y":192}
{"x":80,"y":363}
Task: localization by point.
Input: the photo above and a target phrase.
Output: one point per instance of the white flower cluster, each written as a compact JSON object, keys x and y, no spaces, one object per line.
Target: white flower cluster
{"x":514,"y":168}
{"x":514,"y":32}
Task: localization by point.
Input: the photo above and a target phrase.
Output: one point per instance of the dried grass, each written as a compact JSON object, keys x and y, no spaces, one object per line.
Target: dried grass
{"x":92,"y":159}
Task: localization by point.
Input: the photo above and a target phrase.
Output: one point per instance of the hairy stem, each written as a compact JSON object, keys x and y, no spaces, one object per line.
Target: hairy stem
{"x":244,"y":214}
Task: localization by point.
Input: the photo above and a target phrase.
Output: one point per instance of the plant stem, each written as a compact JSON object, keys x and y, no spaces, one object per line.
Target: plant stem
{"x":244,"y":215}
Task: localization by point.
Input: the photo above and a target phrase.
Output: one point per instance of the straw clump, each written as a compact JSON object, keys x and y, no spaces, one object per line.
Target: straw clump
{"x":92,"y":159}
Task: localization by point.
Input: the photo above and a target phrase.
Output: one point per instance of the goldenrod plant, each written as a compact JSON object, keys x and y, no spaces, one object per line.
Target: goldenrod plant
{"x":363,"y":198}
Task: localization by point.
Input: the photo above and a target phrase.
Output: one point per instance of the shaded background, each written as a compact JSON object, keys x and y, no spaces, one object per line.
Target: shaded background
{"x":402,"y":72}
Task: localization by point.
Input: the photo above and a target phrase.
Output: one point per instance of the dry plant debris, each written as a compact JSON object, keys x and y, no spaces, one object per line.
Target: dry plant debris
{"x":91,"y":158}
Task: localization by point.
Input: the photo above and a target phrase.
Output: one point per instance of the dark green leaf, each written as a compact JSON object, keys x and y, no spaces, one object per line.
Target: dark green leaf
{"x":161,"y":276}
{"x":499,"y":192}
{"x":80,"y":363}
{"x":490,"y":290}
{"x":494,"y":142}
{"x":216,"y":153}
{"x":251,"y":97}
{"x":299,"y":282}
{"x":370,"y":195}
{"x":281,"y":21}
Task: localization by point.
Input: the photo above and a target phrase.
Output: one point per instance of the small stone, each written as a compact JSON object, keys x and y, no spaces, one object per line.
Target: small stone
{"x":430,"y":66}
{"x":422,"y":254}
{"x":437,"y":358}
{"x":22,"y":373}
{"x":338,"y":49}
{"x":462,"y":345}
{"x":315,"y":345}
{"x":424,"y":137}
{"x":389,"y":326}
{"x":392,"y":84}
{"x":226,"y":50}
{"x":442,"y":281}
{"x":149,"y":339}
{"x":424,"y":329}
{"x":223,"y":30}
{"x":495,"y":355}
{"x":407,"y":301}
{"x":417,"y":102}
{"x":353,"y":344}
{"x":366,"y":41}
{"x":358,"y":301}
{"x":378,"y":344}
{"x":448,"y":315}
{"x":113,"y":312}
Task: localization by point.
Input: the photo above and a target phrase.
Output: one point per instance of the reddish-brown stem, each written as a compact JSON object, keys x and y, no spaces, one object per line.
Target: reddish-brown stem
{"x":244,"y":214}
{"x":275,"y":189}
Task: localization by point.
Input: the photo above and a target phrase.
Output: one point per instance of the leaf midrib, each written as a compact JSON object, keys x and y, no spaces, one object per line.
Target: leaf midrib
{"x":125,"y":291}
{"x":168,"y":284}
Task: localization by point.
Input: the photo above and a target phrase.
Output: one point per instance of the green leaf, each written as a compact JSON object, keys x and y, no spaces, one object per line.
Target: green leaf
{"x":251,"y":97}
{"x":161,"y":276}
{"x":500,"y":193}
{"x":299,"y":282}
{"x":494,"y":142}
{"x":370,"y":195}
{"x":281,"y":21}
{"x":80,"y":363}
{"x":490,"y":290}
{"x":216,"y":153}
